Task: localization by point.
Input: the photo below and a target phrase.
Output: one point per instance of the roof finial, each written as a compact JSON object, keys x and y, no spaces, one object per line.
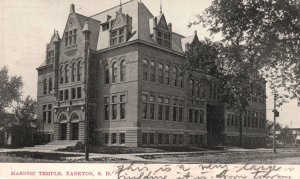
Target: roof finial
{"x":160,"y":7}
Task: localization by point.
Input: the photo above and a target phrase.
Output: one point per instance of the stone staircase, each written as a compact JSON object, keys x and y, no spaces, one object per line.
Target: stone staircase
{"x":53,"y":145}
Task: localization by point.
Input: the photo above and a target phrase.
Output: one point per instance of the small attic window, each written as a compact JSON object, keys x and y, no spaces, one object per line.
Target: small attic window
{"x":105,"y":27}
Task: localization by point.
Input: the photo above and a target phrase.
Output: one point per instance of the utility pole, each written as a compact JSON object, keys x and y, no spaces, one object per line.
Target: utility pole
{"x":87,"y":33}
{"x":274,"y":124}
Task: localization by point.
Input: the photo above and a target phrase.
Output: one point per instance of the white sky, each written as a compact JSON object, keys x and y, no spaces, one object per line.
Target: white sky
{"x":26,"y":27}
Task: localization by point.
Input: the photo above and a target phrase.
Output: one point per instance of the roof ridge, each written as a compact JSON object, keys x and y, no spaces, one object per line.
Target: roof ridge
{"x":110,"y":8}
{"x":87,"y":17}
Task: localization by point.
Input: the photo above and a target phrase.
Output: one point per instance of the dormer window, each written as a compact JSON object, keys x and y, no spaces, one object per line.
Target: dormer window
{"x":50,"y":56}
{"x":163,"y":39}
{"x":105,"y":27}
{"x":118,"y":36}
{"x":71,"y":37}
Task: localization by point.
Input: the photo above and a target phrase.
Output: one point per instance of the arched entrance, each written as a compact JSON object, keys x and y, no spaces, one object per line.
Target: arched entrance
{"x":74,"y":126}
{"x":63,"y":127}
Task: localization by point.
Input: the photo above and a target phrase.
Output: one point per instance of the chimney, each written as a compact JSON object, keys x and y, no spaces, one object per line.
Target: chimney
{"x":170,"y":27}
{"x":72,"y":8}
{"x":195,"y":32}
{"x":155,"y":22}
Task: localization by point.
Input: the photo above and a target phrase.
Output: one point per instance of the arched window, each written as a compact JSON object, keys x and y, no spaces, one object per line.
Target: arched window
{"x":191,"y":87}
{"x":114,"y":72}
{"x":79,"y":71}
{"x":73,"y":73}
{"x":106,"y":74}
{"x":45,"y":86}
{"x":197,"y":88}
{"x":160,"y":73}
{"x":152,"y":71}
{"x":180,"y":78}
{"x":61,"y":74}
{"x":50,"y":85}
{"x":67,"y":73}
{"x":202,"y":88}
{"x":175,"y":77}
{"x":145,"y":69}
{"x":123,"y":71}
{"x":63,"y":118}
{"x":167,"y":75}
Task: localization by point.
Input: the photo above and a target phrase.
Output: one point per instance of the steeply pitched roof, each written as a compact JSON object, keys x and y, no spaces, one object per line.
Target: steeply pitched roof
{"x":142,"y":25}
{"x":94,"y":27}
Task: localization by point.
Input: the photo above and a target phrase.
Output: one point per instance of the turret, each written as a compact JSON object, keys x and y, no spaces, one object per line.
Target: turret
{"x":87,"y":33}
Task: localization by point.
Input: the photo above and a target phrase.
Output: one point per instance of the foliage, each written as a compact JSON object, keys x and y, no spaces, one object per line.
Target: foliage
{"x":258,"y":36}
{"x":26,"y":111}
{"x":10,"y":91}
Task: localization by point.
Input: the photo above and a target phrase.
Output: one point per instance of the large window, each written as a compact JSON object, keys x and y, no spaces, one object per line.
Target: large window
{"x":122,"y":138}
{"x":167,"y":75}
{"x":152,"y":108}
{"x":163,"y":39}
{"x":160,"y":108}
{"x":78,"y":92}
{"x":50,"y":56}
{"x":67,"y":73}
{"x":175,"y":77}
{"x":118,"y":36}
{"x":160,"y":73}
{"x":45,"y":90}
{"x":180,"y":80}
{"x":122,"y":107}
{"x":50,"y":85}
{"x":152,"y":71}
{"x":49,"y":113}
{"x":73,"y":72}
{"x":113,"y":138}
{"x":61,"y":74}
{"x":106,"y":74}
{"x":44,"y":114}
{"x":71,"y":37}
{"x":123,"y":71}
{"x":144,"y":106}
{"x":114,"y":72}
{"x":79,"y":71}
{"x":145,"y":69}
{"x":106,"y":108}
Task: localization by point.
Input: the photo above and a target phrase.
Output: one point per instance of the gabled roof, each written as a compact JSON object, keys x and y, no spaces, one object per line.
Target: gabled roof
{"x":94,"y":27}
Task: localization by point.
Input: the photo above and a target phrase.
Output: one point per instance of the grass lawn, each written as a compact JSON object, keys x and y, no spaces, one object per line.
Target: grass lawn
{"x":255,"y":157}
{"x":24,"y":156}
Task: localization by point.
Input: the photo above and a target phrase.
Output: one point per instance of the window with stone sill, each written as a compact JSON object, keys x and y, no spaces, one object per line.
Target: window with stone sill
{"x":163,"y":39}
{"x":145,"y":70}
{"x":122,"y":138}
{"x":50,"y":56}
{"x":70,"y":37}
{"x":118,"y":36}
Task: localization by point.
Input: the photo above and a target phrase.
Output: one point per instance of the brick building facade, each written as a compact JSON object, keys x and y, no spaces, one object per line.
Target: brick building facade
{"x":141,"y":91}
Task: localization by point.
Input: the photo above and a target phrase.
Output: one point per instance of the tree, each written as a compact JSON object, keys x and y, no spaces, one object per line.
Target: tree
{"x":26,"y":111}
{"x":26,"y":116}
{"x":10,"y":91}
{"x":259,"y":36}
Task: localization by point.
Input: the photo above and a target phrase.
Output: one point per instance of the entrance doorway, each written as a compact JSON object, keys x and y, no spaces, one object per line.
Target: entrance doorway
{"x":74,"y":131}
{"x":63,"y":131}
